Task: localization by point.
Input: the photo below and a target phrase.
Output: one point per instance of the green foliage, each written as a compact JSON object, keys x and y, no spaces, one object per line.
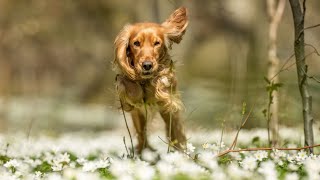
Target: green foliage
{"x":271,"y":86}
{"x":225,"y":159}
{"x":45,"y":167}
{"x":4,"y":159}
{"x":105,"y":173}
{"x":244,"y":108}
{"x":256,"y":141}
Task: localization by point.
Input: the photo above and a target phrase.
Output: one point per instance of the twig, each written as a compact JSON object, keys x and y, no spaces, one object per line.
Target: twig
{"x":145,"y":125}
{"x":125,"y":144}
{"x":222,"y":131}
{"x":181,"y":150}
{"x":125,"y":119}
{"x":30,"y":127}
{"x":234,"y":143}
{"x":288,"y":67}
{"x":170,"y":121}
{"x":311,"y":77}
{"x":314,"y":49}
{"x":282,"y":68}
{"x":310,"y":27}
{"x":189,"y":115}
{"x":266,"y":149}
{"x":292,"y":55}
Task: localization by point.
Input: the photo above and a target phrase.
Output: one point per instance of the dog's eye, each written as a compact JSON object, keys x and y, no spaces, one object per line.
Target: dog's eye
{"x":136,"y":43}
{"x":156,"y":43}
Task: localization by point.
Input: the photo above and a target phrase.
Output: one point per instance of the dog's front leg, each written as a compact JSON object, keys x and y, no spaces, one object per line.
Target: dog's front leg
{"x":174,"y":129}
{"x":139,"y":122}
{"x":130,"y":93}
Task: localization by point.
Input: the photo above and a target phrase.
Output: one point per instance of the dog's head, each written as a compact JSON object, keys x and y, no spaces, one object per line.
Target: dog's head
{"x":140,"y":48}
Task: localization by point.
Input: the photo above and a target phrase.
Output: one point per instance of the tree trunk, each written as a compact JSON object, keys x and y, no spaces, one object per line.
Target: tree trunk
{"x":302,"y":69}
{"x":275,"y":12}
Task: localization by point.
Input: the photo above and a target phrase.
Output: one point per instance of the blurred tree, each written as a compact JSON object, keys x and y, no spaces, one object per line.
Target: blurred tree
{"x":298,"y":13}
{"x":275,"y":11}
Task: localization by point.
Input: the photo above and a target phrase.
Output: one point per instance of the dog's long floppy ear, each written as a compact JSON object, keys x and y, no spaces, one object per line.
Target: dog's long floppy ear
{"x":175,"y":26}
{"x":121,"y":59}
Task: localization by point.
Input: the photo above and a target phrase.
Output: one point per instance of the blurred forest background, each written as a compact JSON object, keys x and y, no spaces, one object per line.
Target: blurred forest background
{"x":55,"y":70}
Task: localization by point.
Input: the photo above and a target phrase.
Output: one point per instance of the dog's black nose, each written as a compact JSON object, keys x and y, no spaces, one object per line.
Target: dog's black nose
{"x":147,"y":65}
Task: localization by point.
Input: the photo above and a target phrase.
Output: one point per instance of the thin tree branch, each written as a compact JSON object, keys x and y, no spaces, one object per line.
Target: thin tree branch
{"x":266,"y":149}
{"x":125,"y":120}
{"x":234,"y":143}
{"x":288,"y":59}
{"x":311,"y":77}
{"x":172,"y":144}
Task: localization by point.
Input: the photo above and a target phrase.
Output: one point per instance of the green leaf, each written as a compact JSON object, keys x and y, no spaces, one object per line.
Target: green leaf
{"x":264,"y":112}
{"x":267,"y":80}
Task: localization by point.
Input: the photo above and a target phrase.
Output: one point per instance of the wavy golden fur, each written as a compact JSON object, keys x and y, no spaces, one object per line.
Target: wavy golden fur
{"x":146,"y":74}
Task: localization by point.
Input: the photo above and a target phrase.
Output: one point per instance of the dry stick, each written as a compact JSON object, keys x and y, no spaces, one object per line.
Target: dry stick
{"x":233,"y":145}
{"x":314,"y":48}
{"x":292,"y":55}
{"x":125,"y":120}
{"x":176,"y":147}
{"x":266,"y":149}
{"x":288,"y":59}
{"x":222,"y":132}
{"x":170,"y":121}
{"x":298,"y":61}
{"x":145,"y":126}
{"x":311,"y":77}
{"x":125,"y":144}
{"x":189,"y":115}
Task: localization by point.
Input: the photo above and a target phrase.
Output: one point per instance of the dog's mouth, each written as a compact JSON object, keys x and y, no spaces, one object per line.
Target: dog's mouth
{"x":147,"y":74}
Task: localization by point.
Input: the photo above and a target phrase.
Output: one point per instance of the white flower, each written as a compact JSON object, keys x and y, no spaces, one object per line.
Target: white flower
{"x":89,"y":166}
{"x":290,"y":158}
{"x":143,"y":171}
{"x":280,"y":163}
{"x":312,"y":156}
{"x":215,"y":147}
{"x":121,"y":167}
{"x":293,"y":167}
{"x":31,"y":162}
{"x":37,"y":175}
{"x":260,"y":155}
{"x":236,"y":156}
{"x":218,"y":174}
{"x":208,"y":159}
{"x":13,"y":163}
{"x":249,"y":163}
{"x":7,"y":176}
{"x":292,"y":176}
{"x":237,"y":173}
{"x":191,"y":169}
{"x":54,"y":176}
{"x":103,"y":163}
{"x":190,"y":148}
{"x":268,"y":169}
{"x":56,"y":166}
{"x":148,"y":155}
{"x":165,"y":169}
{"x":313,"y":168}
{"x":60,"y":161}
{"x":221,"y":145}
{"x":82,"y":160}
{"x":63,"y":158}
{"x":278,"y":154}
{"x":205,"y":145}
{"x":302,"y":155}
{"x":174,"y":158}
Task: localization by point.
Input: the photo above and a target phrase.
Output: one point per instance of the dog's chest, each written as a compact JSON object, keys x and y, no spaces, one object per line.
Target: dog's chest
{"x":148,"y":93}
